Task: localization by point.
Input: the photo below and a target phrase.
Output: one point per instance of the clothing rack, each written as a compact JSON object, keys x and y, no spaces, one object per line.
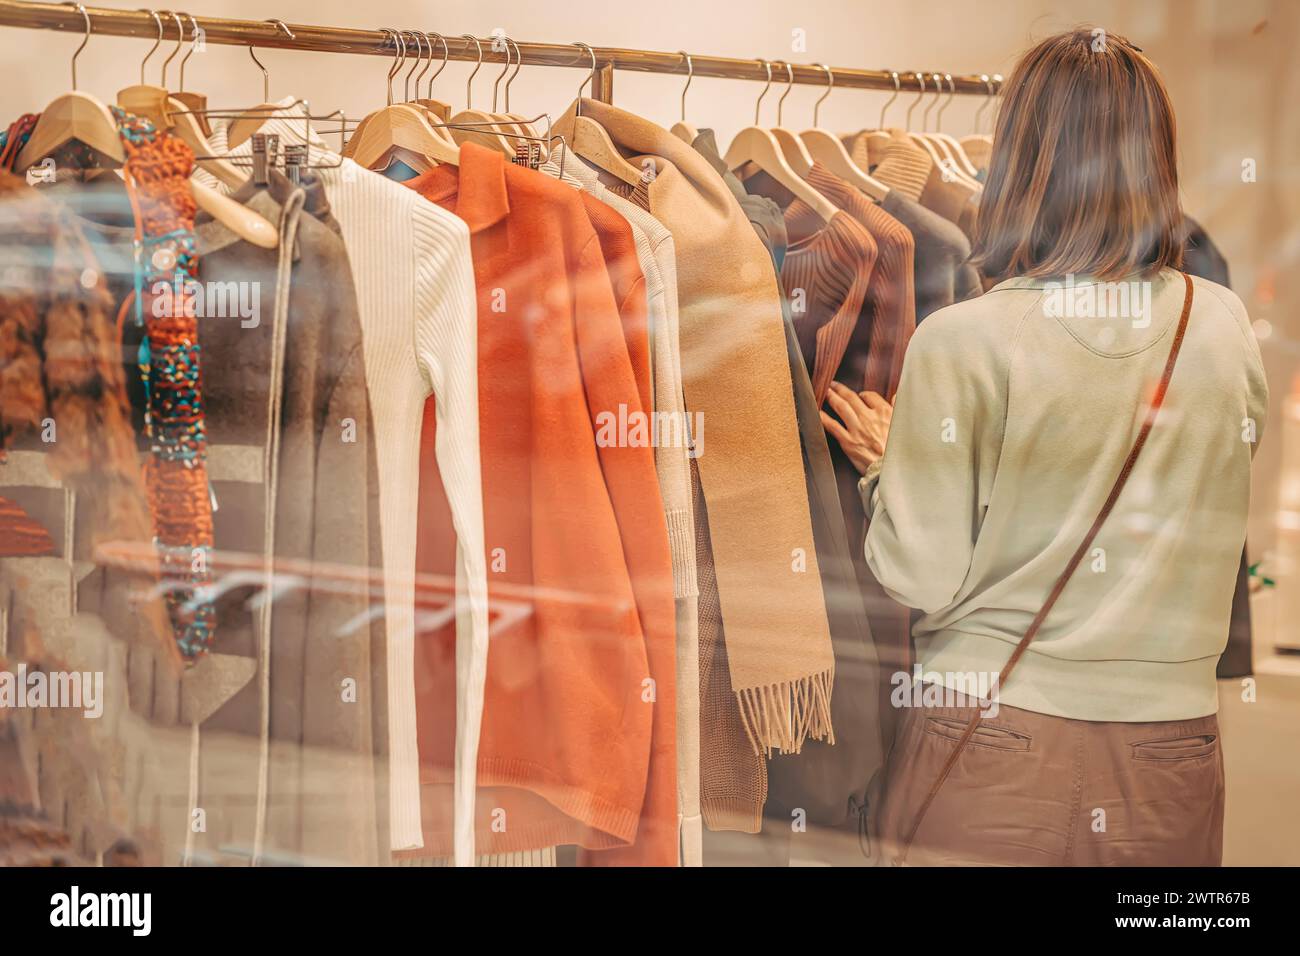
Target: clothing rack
{"x":276,"y":34}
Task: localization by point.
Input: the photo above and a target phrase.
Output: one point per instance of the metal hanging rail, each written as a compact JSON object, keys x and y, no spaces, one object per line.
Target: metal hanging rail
{"x":267,"y":34}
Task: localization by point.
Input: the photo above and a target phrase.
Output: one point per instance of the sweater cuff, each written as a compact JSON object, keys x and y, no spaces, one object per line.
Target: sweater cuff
{"x":867,"y":485}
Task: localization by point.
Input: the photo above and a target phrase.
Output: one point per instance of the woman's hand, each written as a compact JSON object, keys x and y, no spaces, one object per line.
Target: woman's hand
{"x":866,"y":417}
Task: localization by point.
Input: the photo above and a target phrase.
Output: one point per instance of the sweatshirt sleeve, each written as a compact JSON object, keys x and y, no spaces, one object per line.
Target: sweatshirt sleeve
{"x":927,"y":500}
{"x":446,"y":340}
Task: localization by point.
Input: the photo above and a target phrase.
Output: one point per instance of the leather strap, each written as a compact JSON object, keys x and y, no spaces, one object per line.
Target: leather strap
{"x":1075,"y":559}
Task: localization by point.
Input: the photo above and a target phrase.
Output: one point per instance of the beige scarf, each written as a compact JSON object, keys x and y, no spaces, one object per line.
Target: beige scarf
{"x":735,"y":374}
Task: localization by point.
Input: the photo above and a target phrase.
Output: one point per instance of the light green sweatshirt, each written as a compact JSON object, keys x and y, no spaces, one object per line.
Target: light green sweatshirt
{"x":1015,"y":414}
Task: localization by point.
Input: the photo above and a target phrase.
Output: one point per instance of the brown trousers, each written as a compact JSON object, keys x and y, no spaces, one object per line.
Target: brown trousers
{"x":1036,"y":790}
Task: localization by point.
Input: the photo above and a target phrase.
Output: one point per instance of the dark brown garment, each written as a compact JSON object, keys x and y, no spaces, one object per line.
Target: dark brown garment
{"x":1201,"y":257}
{"x":874,"y":357}
{"x":1036,"y":790}
{"x":942,"y":274}
{"x":827,"y":782}
{"x":825,"y":274}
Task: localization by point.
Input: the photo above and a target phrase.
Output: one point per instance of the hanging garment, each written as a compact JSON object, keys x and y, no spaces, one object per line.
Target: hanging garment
{"x":966,"y":530}
{"x":1201,"y":257}
{"x":411,"y":267}
{"x":733,"y":774}
{"x":874,"y":358}
{"x":327,"y":523}
{"x":157,"y":172}
{"x":951,"y":198}
{"x":825,"y":783}
{"x":763,"y":213}
{"x":778,"y":644}
{"x":64,"y":415}
{"x":653,"y":579}
{"x":942,"y":274}
{"x":576,"y":684}
{"x":825,"y":272}
{"x":61,"y":367}
{"x":906,"y":168}
{"x":325,"y":516}
{"x":657,"y":255}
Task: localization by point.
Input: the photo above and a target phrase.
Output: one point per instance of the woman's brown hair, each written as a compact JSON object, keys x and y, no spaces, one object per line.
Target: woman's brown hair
{"x":1084,"y":176}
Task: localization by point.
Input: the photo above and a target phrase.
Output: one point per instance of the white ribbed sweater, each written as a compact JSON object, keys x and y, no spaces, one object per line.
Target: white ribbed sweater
{"x":415,"y":294}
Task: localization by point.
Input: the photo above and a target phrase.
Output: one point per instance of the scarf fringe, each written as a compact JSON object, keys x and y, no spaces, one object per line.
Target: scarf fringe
{"x":780,"y":717}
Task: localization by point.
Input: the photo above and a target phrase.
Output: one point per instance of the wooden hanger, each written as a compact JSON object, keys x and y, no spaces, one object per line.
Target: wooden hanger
{"x":827,"y":149}
{"x":80,"y":117}
{"x":682,"y":129}
{"x":245,"y":126}
{"x":154,"y":104}
{"x":590,"y":140}
{"x":72,"y":117}
{"x":403,"y":127}
{"x":758,"y":146}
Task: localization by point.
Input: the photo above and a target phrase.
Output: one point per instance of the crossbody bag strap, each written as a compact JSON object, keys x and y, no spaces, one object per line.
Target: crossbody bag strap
{"x":1152,"y":410}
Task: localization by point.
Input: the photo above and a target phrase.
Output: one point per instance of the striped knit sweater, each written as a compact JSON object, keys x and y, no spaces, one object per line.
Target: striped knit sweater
{"x":415,"y":291}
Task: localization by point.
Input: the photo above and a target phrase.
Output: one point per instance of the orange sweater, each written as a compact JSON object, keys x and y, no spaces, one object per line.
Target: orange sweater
{"x":575,"y":535}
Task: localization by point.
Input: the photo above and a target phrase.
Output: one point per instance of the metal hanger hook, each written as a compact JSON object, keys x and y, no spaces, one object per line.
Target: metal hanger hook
{"x":519,"y":63}
{"x":266,"y":75}
{"x":399,"y":47}
{"x":84,"y":40}
{"x":158,"y":20}
{"x":496,"y":85}
{"x":446,"y":54}
{"x":759,"y":102}
{"x":920,"y":80}
{"x":469,"y":82}
{"x":180,"y":38}
{"x":888,"y":102}
{"x":419,"y":56}
{"x":690,"y":75}
{"x":194,"y":41}
{"x":789,"y":85}
{"x":577,"y":111}
{"x":925,"y":114}
{"x":830,"y":85}
{"x":427,"y":63}
{"x":952,"y":91}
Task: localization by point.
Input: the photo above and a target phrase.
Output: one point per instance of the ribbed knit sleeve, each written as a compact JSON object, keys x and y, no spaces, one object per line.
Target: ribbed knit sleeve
{"x":415,"y":289}
{"x":446,"y":341}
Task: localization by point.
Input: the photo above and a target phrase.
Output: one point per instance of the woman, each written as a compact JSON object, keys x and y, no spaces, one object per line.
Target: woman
{"x":1016,"y":413}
